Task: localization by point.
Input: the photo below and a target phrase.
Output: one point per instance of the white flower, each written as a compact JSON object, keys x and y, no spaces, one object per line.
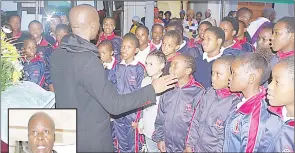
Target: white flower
{"x":6,"y":30}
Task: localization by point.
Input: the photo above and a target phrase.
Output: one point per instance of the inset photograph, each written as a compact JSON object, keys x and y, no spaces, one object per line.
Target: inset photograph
{"x":42,"y":130}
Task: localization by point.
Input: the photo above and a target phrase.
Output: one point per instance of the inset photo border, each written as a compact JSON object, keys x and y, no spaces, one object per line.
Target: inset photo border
{"x":42,"y":130}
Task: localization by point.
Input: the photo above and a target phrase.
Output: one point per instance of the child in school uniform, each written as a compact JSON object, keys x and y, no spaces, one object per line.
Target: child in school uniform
{"x":242,"y":40}
{"x":176,"y":106}
{"x":34,"y":65}
{"x":106,"y":55}
{"x":187,"y":47}
{"x":213,"y":40}
{"x":283,"y":37}
{"x":154,"y":63}
{"x":170,"y":46}
{"x":127,"y":75}
{"x":206,"y":132}
{"x":246,"y":123}
{"x":60,"y":31}
{"x":230,"y":26}
{"x":245,"y":14}
{"x":142,"y":34}
{"x":157,"y":35}
{"x":109,"y":25}
{"x":201,"y":30}
{"x":279,"y":132}
{"x":35,"y":30}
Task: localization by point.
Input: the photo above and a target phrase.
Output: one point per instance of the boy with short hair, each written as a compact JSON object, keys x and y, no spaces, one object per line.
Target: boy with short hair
{"x":34,"y":65}
{"x":35,"y":30}
{"x":157,"y":35}
{"x":206,"y":132}
{"x":242,"y":40}
{"x":176,"y":107}
{"x":201,"y":30}
{"x":105,"y":51}
{"x":60,"y":31}
{"x":109,"y":25}
{"x":230,"y":26}
{"x":213,"y":40}
{"x":279,"y":132}
{"x":54,"y":21}
{"x":245,"y":124}
{"x":186,"y":46}
{"x":142,"y":34}
{"x":245,"y":14}
{"x":127,"y":76}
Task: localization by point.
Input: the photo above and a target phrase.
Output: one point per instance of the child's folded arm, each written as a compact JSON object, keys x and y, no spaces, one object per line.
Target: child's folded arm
{"x":159,"y":134}
{"x":37,"y":73}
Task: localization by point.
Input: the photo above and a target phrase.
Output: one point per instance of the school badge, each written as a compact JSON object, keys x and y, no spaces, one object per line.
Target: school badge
{"x":188,"y":107}
{"x":219,"y":123}
{"x":235,"y":127}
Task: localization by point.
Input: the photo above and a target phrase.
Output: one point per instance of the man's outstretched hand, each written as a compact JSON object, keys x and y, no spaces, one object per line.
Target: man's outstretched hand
{"x":164,"y":83}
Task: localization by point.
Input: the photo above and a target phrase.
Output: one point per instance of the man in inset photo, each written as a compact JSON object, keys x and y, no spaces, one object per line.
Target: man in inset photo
{"x":41,"y":133}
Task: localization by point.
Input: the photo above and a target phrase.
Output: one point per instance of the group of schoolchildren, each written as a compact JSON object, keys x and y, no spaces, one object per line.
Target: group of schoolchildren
{"x":230,"y":96}
{"x":36,"y":48}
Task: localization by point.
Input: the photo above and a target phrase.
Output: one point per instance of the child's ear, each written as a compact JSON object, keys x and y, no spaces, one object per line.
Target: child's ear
{"x":188,"y":71}
{"x":292,"y":36}
{"x":219,"y":41}
{"x":162,"y":66}
{"x":252,"y":78}
{"x":112,"y":53}
{"x":177,"y":47}
{"x":234,"y":33}
{"x":245,"y":29}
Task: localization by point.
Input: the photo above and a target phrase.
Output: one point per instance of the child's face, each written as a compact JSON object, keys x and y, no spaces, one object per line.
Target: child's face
{"x":105,"y":53}
{"x":30,"y":48}
{"x":35,"y":30}
{"x":108,"y":26}
{"x":167,"y":16}
{"x":265,"y":37}
{"x":210,"y":42}
{"x":280,"y":37}
{"x":228,"y":30}
{"x":153,"y":65}
{"x":281,"y":89}
{"x":199,"y":17}
{"x":54,"y":22}
{"x":242,"y":29}
{"x":202,"y":29}
{"x":220,"y":75}
{"x":179,"y":68}
{"x":245,"y":16}
{"x":142,"y":36}
{"x":169,"y":45}
{"x":128,"y":49}
{"x":157,"y":33}
{"x":239,"y":78}
{"x":15,"y":23}
{"x":59,"y":35}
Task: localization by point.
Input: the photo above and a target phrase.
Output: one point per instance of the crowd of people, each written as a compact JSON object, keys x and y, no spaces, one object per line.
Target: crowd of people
{"x":234,"y":92}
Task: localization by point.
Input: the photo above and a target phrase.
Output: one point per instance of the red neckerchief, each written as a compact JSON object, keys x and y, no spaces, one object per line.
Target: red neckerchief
{"x":43,"y":42}
{"x":199,"y":41}
{"x":285,"y":55}
{"x":190,"y":83}
{"x":17,"y":35}
{"x":237,"y":45}
{"x":171,"y":58}
{"x":104,"y":37}
{"x":223,"y":93}
{"x":247,"y":107}
{"x":290,"y":122}
{"x":243,"y":41}
{"x":55,"y":45}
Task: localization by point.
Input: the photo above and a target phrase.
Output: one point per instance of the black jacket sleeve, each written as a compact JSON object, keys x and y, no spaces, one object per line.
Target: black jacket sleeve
{"x":106,"y":94}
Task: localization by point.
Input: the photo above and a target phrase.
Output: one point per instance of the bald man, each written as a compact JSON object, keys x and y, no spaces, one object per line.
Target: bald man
{"x":41,"y":133}
{"x":268,"y":16}
{"x":79,"y":82}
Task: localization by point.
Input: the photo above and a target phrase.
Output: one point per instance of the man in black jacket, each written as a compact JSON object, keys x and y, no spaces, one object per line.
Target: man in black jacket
{"x":79,"y":82}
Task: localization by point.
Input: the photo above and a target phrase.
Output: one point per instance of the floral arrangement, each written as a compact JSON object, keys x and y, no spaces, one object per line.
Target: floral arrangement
{"x":10,"y":64}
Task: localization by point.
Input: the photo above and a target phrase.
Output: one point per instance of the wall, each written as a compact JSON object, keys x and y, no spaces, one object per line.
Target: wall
{"x":215,"y":7}
{"x":132,"y":9}
{"x":172,"y":6}
{"x":284,"y":10}
{"x":8,"y":6}
{"x":199,"y":6}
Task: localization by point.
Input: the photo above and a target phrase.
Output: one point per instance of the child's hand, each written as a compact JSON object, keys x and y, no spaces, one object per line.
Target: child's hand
{"x":188,"y":149}
{"x":134,"y":125}
{"x":161,"y":146}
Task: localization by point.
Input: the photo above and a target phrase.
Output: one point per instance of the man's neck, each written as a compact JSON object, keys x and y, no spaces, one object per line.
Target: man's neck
{"x":251,"y":91}
{"x":228,"y":43}
{"x":183,"y":81}
{"x":214,"y":53}
{"x":80,"y":34}
{"x":156,"y":42}
{"x":290,"y":110}
{"x":142,"y":47}
{"x":241,"y":37}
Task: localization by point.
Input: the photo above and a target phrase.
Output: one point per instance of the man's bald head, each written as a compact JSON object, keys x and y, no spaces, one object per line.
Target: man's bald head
{"x":269,"y":13}
{"x":41,"y":116}
{"x":84,"y":21}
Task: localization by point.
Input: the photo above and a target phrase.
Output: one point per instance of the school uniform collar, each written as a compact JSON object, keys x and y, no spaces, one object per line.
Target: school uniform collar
{"x":17,"y":35}
{"x":157,"y":46}
{"x":225,"y":92}
{"x":112,"y":64}
{"x":105,"y":37}
{"x":182,"y":45}
{"x":285,"y":117}
{"x":36,"y":58}
{"x":283,"y":55}
{"x":42,"y":42}
{"x":281,"y":112}
{"x":209,"y":59}
{"x":134,"y":62}
{"x":243,"y":41}
{"x":247,"y":105}
{"x":171,"y":58}
{"x":190,"y":83}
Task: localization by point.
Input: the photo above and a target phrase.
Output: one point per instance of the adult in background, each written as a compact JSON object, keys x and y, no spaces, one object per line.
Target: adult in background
{"x":182,"y":15}
{"x":167,"y":17}
{"x":199,"y":17}
{"x":268,"y":16}
{"x":209,"y":18}
{"x":79,"y":81}
{"x":157,"y":19}
{"x":190,"y":24}
{"x":232,"y":14}
{"x":245,"y":14}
